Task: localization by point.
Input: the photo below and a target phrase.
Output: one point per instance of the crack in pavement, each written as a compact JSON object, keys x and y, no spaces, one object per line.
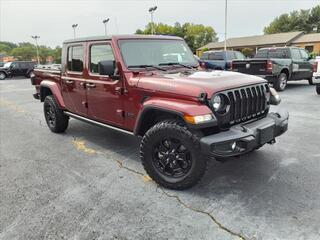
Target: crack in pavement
{"x":203,"y":212}
{"x":216,"y":222}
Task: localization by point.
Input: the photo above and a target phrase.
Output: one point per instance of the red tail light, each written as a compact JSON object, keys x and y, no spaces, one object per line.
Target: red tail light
{"x":315,"y":67}
{"x":269,"y":66}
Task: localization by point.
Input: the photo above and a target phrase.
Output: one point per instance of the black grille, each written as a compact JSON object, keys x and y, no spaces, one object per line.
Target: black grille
{"x":245,"y":103}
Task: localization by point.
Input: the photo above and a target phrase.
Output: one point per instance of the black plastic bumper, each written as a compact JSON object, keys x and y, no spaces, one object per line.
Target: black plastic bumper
{"x":243,"y":138}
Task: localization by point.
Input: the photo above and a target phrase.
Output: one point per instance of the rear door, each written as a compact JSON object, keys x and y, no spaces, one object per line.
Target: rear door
{"x":73,"y":82}
{"x":298,"y":71}
{"x":104,"y":94}
{"x":306,"y":66}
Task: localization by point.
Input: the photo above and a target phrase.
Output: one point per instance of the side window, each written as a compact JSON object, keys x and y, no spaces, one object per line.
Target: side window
{"x":205,"y":56}
{"x":98,"y":53}
{"x":304,"y":54}
{"x":75,"y":59}
{"x":295,"y":53}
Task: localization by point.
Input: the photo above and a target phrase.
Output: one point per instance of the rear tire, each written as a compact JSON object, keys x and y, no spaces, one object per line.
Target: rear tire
{"x":281,"y":83}
{"x":2,"y":76}
{"x":318,"y":89}
{"x":171,"y":155}
{"x":55,"y":118}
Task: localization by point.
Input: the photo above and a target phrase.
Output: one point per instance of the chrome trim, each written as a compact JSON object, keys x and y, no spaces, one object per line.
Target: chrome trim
{"x":96,"y":123}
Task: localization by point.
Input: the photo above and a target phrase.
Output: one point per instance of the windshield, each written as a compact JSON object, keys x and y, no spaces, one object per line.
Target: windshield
{"x":148,"y":52}
{"x":7,"y":65}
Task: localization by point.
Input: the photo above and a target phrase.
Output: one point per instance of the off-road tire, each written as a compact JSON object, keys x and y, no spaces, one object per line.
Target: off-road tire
{"x":173,"y":129}
{"x":281,"y":82}
{"x":318,"y":89}
{"x":2,"y":76}
{"x":56,"y":120}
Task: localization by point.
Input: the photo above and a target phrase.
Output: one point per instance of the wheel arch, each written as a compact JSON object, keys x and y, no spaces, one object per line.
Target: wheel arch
{"x":51,"y":88}
{"x":151,"y":115}
{"x":286,"y":71}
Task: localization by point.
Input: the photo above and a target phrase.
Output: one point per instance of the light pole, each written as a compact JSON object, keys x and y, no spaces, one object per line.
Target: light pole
{"x":151,"y":11}
{"x":35,"y":37}
{"x":105,"y":22}
{"x":74,"y":29}
{"x":225,"y":24}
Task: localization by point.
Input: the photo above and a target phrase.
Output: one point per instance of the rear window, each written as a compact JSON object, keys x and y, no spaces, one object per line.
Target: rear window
{"x":262,"y":54}
{"x":216,"y":56}
{"x":75,"y":58}
{"x":278,"y":53}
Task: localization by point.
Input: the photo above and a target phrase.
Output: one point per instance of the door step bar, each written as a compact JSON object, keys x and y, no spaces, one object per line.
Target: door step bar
{"x":87,"y":120}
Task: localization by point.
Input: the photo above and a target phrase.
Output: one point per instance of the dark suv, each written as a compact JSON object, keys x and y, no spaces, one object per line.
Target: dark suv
{"x":220,"y":60}
{"x":17,"y":68}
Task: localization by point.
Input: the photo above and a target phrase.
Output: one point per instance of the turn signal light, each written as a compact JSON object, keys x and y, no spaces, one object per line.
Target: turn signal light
{"x":198,"y":119}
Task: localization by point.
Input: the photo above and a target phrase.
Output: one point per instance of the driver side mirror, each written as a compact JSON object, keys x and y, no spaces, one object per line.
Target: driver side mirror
{"x":107,"y":67}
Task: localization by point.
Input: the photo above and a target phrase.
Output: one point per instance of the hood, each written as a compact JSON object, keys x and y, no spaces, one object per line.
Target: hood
{"x":198,"y":82}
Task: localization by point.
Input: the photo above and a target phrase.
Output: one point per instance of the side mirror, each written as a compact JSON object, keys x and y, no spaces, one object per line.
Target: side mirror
{"x":107,"y":67}
{"x":274,"y":97}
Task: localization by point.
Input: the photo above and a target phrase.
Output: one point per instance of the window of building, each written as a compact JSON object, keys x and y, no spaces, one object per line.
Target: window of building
{"x":75,"y":59}
{"x":309,"y":48}
{"x":98,"y":53}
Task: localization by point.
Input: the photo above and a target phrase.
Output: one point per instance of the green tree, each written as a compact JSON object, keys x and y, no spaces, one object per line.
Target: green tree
{"x":24,"y":52}
{"x":6,"y":47}
{"x":303,"y":20}
{"x":196,"y":35}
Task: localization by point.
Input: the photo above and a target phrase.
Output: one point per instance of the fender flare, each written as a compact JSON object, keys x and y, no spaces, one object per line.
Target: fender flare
{"x":56,"y":92}
{"x":176,"y":107}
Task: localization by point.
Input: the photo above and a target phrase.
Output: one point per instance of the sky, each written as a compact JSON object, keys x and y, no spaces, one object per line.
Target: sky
{"x":52,"y":20}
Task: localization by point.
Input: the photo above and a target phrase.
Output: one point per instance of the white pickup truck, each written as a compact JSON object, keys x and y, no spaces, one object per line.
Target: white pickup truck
{"x":316,"y":74}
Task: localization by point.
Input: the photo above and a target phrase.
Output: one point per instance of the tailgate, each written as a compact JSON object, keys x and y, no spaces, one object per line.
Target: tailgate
{"x":252,"y":66}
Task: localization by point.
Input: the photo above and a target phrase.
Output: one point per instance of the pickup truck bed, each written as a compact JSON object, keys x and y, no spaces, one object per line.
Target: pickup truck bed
{"x":277,"y":65}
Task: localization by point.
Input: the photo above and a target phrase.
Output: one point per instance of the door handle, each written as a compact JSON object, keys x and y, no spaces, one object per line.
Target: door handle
{"x":69,"y":81}
{"x":90,"y":85}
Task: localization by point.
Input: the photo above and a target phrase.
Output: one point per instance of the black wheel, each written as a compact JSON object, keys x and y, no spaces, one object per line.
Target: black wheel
{"x":281,"y":83}
{"x":2,"y":75}
{"x":310,"y":80}
{"x":56,"y":120}
{"x":171,"y":155}
{"x":318,"y":89}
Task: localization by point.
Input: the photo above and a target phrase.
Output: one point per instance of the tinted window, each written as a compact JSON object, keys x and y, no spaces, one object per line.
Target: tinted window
{"x":231,"y":55}
{"x":216,"y":56}
{"x":239,"y":55}
{"x":262,"y":54}
{"x":205,"y":56}
{"x":304,"y":54}
{"x":75,"y":58}
{"x":295,"y":53}
{"x":235,"y":55}
{"x":99,"y":53}
{"x":278,"y":53}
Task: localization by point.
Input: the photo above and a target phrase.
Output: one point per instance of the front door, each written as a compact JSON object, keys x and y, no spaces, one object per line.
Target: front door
{"x":73,"y":83}
{"x":104,"y":94}
{"x":306,"y":66}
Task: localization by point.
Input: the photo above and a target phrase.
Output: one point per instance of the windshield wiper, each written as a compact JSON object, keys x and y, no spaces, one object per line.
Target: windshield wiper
{"x":177,"y":64}
{"x":147,"y":66}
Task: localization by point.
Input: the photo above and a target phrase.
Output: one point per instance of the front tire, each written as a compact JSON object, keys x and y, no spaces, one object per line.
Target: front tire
{"x":2,"y":76}
{"x":55,"y":118}
{"x":281,"y":83}
{"x":318,"y":89}
{"x":171,"y":155}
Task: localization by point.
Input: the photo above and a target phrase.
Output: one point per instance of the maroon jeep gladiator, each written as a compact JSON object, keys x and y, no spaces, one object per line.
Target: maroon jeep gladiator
{"x":153,"y":87}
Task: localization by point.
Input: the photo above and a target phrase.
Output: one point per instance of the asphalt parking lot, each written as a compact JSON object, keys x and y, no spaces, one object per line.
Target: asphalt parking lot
{"x":89,"y":184}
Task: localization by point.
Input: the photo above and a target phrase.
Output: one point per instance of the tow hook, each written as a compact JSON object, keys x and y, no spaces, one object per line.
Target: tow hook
{"x":273,"y":141}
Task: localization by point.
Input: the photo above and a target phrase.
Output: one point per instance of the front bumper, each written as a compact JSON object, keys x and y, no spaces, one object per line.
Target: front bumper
{"x":243,"y":138}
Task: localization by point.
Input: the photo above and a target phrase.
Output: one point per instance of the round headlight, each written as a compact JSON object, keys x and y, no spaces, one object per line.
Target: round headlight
{"x":217,"y":103}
